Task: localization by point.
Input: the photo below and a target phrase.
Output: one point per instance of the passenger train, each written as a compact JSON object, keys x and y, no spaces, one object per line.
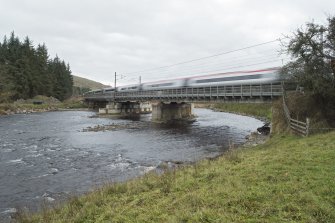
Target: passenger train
{"x":264,"y":76}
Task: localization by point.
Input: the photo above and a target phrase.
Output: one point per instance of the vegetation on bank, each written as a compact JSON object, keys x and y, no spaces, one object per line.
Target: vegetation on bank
{"x":27,"y":71}
{"x":41,"y":104}
{"x":258,"y":110}
{"x":312,"y":48}
{"x":286,"y":179}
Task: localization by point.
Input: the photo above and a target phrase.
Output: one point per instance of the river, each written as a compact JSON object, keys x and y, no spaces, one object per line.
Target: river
{"x":47,"y":157}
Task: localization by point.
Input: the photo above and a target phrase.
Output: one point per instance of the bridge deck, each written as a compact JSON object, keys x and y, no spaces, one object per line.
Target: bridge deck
{"x":195,"y":94}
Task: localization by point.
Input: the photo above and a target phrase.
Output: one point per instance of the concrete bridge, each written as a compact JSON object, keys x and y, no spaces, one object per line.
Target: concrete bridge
{"x":177,"y":103}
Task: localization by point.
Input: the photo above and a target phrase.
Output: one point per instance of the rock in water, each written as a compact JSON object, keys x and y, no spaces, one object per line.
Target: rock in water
{"x":265,"y":129}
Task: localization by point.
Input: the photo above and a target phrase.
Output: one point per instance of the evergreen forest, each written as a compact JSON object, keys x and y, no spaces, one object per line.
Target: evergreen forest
{"x":27,"y":71}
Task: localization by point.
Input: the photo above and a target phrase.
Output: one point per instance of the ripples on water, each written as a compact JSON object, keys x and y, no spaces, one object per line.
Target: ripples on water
{"x":47,"y":156}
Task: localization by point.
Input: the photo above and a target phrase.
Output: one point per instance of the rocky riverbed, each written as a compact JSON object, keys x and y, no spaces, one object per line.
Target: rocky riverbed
{"x":27,"y":110}
{"x":114,"y":127}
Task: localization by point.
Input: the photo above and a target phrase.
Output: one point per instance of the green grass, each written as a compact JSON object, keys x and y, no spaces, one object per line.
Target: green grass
{"x":287,"y":179}
{"x":258,"y":110}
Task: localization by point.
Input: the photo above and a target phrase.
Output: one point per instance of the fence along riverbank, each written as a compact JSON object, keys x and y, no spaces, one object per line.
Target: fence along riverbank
{"x":300,"y":127}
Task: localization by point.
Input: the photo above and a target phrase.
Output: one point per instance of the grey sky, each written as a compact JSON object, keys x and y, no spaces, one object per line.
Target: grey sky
{"x":100,"y":37}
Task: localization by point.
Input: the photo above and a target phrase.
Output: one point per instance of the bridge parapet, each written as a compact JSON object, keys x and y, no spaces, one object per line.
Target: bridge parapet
{"x":188,"y":94}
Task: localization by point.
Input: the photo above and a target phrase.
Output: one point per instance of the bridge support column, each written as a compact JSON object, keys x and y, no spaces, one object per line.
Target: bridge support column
{"x":113,"y":108}
{"x":126,"y":108}
{"x":145,"y":107}
{"x":162,"y":112}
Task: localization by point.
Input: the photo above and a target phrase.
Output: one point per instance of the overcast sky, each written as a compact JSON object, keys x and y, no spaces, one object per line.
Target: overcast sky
{"x":100,"y":37}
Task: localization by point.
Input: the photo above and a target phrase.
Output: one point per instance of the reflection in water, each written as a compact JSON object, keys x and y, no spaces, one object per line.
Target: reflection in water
{"x":47,"y":156}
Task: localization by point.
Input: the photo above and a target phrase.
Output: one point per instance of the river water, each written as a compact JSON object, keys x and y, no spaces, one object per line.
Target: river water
{"x":47,"y":157}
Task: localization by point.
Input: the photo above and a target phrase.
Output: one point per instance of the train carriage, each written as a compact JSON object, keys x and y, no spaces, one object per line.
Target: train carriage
{"x":129,"y":88}
{"x":235,"y":78}
{"x":166,"y":84}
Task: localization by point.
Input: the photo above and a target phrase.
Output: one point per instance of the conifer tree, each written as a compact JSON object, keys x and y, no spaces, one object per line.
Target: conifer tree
{"x":26,"y":71}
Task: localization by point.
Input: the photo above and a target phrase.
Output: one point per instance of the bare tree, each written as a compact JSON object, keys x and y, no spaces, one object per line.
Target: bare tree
{"x":312,"y":49}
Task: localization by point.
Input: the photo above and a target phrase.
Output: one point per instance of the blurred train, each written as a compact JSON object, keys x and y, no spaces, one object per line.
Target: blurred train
{"x":264,"y":76}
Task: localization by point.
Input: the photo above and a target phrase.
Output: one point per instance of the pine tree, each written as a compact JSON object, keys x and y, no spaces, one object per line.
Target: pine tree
{"x":26,"y":71}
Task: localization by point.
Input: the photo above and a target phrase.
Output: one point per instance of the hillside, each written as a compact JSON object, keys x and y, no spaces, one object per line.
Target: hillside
{"x":86,"y":83}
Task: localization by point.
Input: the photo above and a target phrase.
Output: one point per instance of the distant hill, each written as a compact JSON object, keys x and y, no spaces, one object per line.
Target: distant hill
{"x":86,"y":83}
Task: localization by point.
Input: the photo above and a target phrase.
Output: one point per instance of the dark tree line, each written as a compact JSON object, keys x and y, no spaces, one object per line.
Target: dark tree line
{"x":27,"y":71}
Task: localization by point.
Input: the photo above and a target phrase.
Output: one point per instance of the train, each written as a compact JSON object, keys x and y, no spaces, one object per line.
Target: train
{"x":264,"y":76}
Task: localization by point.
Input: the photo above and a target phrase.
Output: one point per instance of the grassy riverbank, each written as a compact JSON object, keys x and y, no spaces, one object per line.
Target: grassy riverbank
{"x":258,"y":110}
{"x":262,"y":110}
{"x":47,"y":104}
{"x":286,"y":179}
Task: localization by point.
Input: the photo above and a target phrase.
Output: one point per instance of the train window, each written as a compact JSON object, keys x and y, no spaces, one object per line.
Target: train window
{"x":236,"y":78}
{"x":109,"y":90}
{"x":161,"y":85}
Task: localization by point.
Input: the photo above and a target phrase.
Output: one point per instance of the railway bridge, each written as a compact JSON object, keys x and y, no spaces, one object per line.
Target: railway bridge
{"x":177,"y":103}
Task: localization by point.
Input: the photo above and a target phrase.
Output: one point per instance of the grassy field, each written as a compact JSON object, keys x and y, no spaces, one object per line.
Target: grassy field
{"x":287,"y":179}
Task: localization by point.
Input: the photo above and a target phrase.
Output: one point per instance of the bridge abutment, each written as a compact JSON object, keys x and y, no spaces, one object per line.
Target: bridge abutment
{"x":163,"y":112}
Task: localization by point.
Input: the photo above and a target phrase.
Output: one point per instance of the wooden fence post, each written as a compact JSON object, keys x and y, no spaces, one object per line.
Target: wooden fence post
{"x":307,"y":126}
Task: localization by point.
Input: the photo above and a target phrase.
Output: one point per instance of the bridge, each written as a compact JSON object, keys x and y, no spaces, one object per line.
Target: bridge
{"x":195,"y":94}
{"x":208,"y":79}
{"x":177,"y":103}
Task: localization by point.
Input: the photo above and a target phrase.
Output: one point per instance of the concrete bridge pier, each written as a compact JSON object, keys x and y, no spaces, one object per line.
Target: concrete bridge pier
{"x":126,"y":108}
{"x":113,"y":108}
{"x":145,"y":107}
{"x":173,"y":111}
